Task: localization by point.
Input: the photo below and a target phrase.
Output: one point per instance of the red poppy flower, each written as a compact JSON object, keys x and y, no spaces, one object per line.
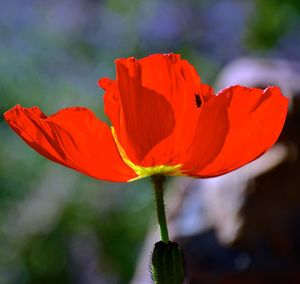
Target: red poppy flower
{"x":164,"y":121}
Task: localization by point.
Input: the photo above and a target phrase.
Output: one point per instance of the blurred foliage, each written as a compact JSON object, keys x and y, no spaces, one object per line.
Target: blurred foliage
{"x":273,"y":20}
{"x":57,"y":226}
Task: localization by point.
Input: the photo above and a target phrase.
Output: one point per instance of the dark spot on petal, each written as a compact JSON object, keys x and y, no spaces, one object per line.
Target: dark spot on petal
{"x":198,"y":100}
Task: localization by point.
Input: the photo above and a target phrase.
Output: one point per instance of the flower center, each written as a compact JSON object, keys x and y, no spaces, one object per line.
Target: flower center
{"x":146,"y":171}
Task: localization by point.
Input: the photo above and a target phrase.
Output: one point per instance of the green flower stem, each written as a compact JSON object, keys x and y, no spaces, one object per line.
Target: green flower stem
{"x":158,"y":182}
{"x":167,"y":259}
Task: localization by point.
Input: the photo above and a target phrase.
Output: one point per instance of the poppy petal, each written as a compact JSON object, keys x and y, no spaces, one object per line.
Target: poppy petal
{"x":73,"y":137}
{"x":253,"y":121}
{"x":176,"y":148}
{"x":152,"y":107}
{"x":148,"y":117}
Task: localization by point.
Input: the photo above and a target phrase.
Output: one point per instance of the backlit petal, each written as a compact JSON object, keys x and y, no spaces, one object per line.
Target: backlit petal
{"x":153,"y":109}
{"x":73,"y":137}
{"x":252,"y":119}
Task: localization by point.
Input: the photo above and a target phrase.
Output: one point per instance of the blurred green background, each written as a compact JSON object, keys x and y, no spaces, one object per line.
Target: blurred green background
{"x":56,"y":225}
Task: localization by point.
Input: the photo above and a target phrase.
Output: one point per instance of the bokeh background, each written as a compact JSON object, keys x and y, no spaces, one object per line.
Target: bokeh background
{"x":56,"y":225}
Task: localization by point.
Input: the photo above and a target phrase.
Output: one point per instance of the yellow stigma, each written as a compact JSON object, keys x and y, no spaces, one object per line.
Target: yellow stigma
{"x":146,"y":171}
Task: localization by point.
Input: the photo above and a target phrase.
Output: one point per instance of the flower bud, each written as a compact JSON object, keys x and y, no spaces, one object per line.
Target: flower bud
{"x":167,"y":263}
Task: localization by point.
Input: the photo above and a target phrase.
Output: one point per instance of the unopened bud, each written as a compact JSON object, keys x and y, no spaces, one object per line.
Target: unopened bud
{"x":167,"y":263}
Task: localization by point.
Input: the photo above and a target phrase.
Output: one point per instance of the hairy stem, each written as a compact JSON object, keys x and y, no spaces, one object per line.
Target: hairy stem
{"x":158,"y":182}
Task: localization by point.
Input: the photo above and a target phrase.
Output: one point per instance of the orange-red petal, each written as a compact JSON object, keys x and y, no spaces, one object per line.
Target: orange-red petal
{"x":252,"y":120}
{"x":152,"y":107}
{"x":73,"y":137}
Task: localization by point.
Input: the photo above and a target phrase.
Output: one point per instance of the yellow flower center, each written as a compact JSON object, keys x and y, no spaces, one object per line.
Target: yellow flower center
{"x":146,"y":171}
